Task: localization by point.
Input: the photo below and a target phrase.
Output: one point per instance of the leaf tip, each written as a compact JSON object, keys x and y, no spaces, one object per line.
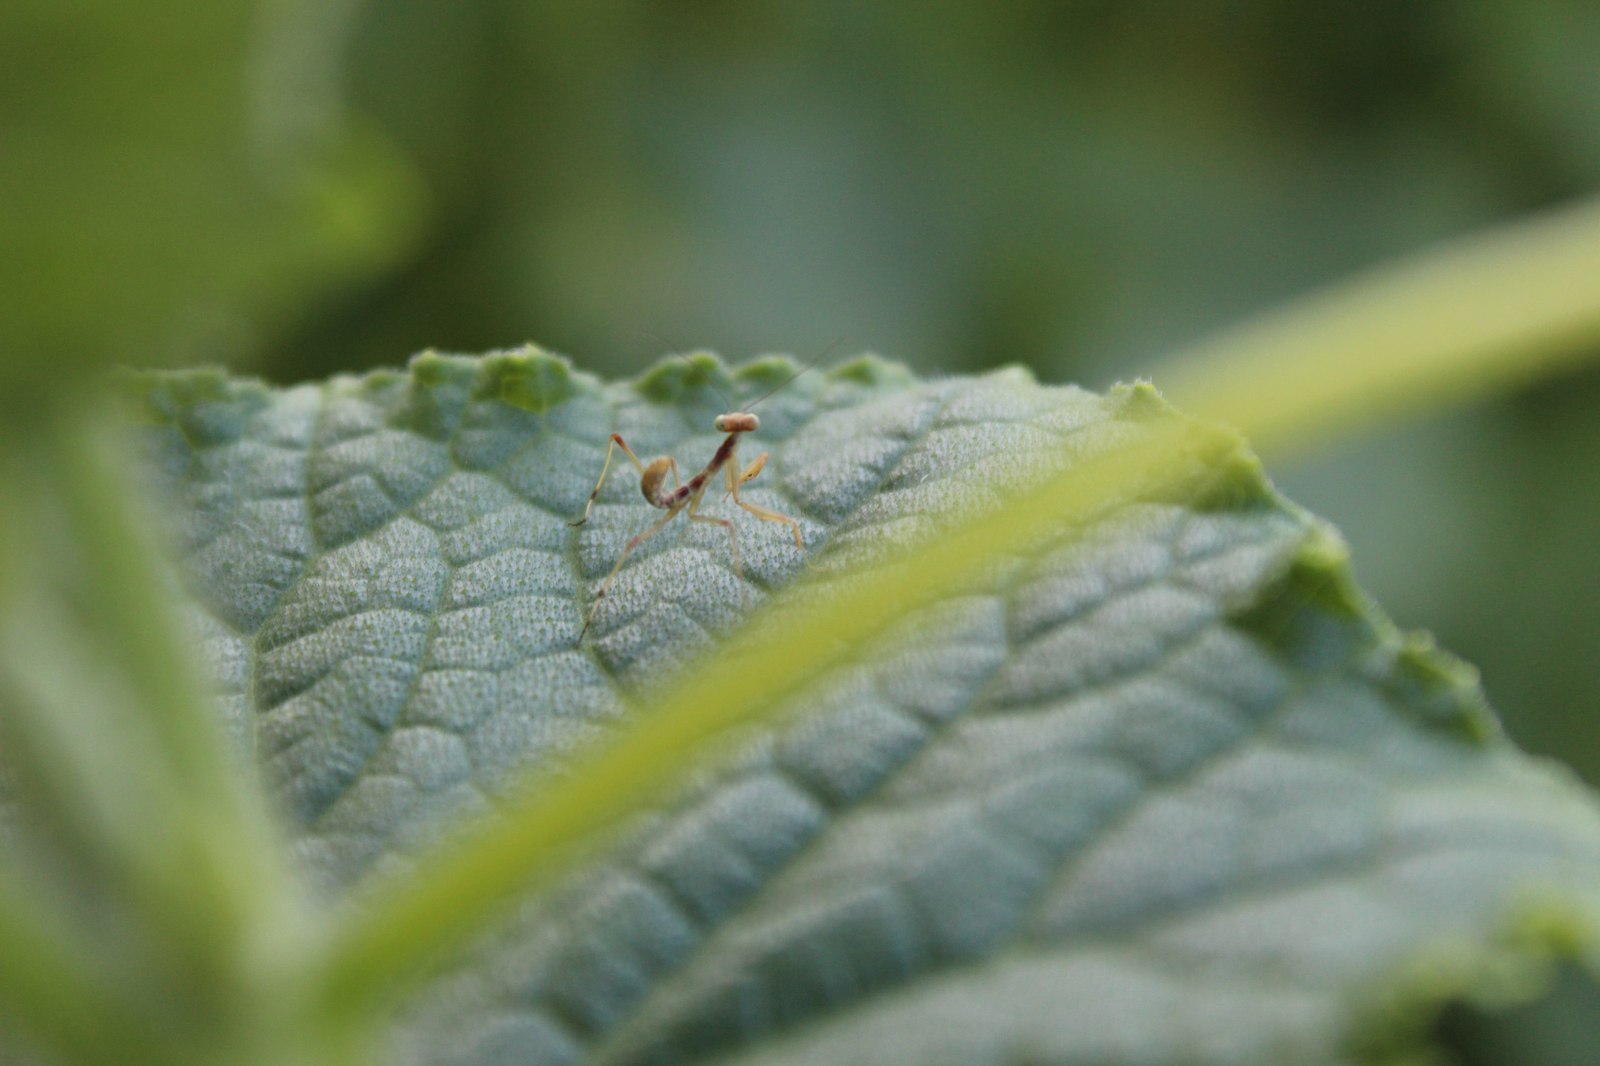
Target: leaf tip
{"x":673,"y":375}
{"x":1321,"y":570}
{"x":528,"y":378}
{"x":204,"y":404}
{"x":1324,"y":552}
{"x":768,"y":372}
{"x":1443,"y":690}
{"x":431,"y":368}
{"x":873,"y":371}
{"x":1138,"y":399}
{"x":440,"y":386}
{"x":165,"y":392}
{"x":1408,"y":1016}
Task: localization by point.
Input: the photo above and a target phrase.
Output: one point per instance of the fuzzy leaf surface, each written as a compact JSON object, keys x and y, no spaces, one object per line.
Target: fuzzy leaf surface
{"x":1168,"y":791}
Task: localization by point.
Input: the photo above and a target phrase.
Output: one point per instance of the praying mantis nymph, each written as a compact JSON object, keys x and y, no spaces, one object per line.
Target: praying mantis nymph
{"x":685,"y":497}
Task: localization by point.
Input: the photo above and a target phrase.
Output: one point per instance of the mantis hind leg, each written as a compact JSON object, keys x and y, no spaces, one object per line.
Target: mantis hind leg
{"x":655,"y":527}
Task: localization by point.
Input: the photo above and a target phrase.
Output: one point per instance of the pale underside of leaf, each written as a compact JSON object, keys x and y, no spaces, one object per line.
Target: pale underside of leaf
{"x":1170,"y":792}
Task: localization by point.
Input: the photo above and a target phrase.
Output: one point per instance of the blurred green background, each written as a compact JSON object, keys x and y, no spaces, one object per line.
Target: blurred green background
{"x":302,"y":188}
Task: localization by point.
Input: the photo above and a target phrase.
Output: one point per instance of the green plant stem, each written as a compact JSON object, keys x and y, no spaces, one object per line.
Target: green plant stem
{"x":119,"y":742}
{"x":138,"y":613}
{"x":1483,"y":313}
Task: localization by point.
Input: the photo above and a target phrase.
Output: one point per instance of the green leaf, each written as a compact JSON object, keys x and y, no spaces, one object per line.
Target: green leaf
{"x":1164,"y":788}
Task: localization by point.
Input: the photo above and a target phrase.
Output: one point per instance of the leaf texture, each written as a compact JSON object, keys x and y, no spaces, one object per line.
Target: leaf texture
{"x":1168,"y":790}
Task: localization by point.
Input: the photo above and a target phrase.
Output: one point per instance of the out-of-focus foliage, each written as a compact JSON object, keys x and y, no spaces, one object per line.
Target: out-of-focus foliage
{"x":1078,"y":185}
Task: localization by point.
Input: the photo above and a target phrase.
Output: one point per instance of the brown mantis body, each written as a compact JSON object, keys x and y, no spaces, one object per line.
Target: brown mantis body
{"x":686,"y":497}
